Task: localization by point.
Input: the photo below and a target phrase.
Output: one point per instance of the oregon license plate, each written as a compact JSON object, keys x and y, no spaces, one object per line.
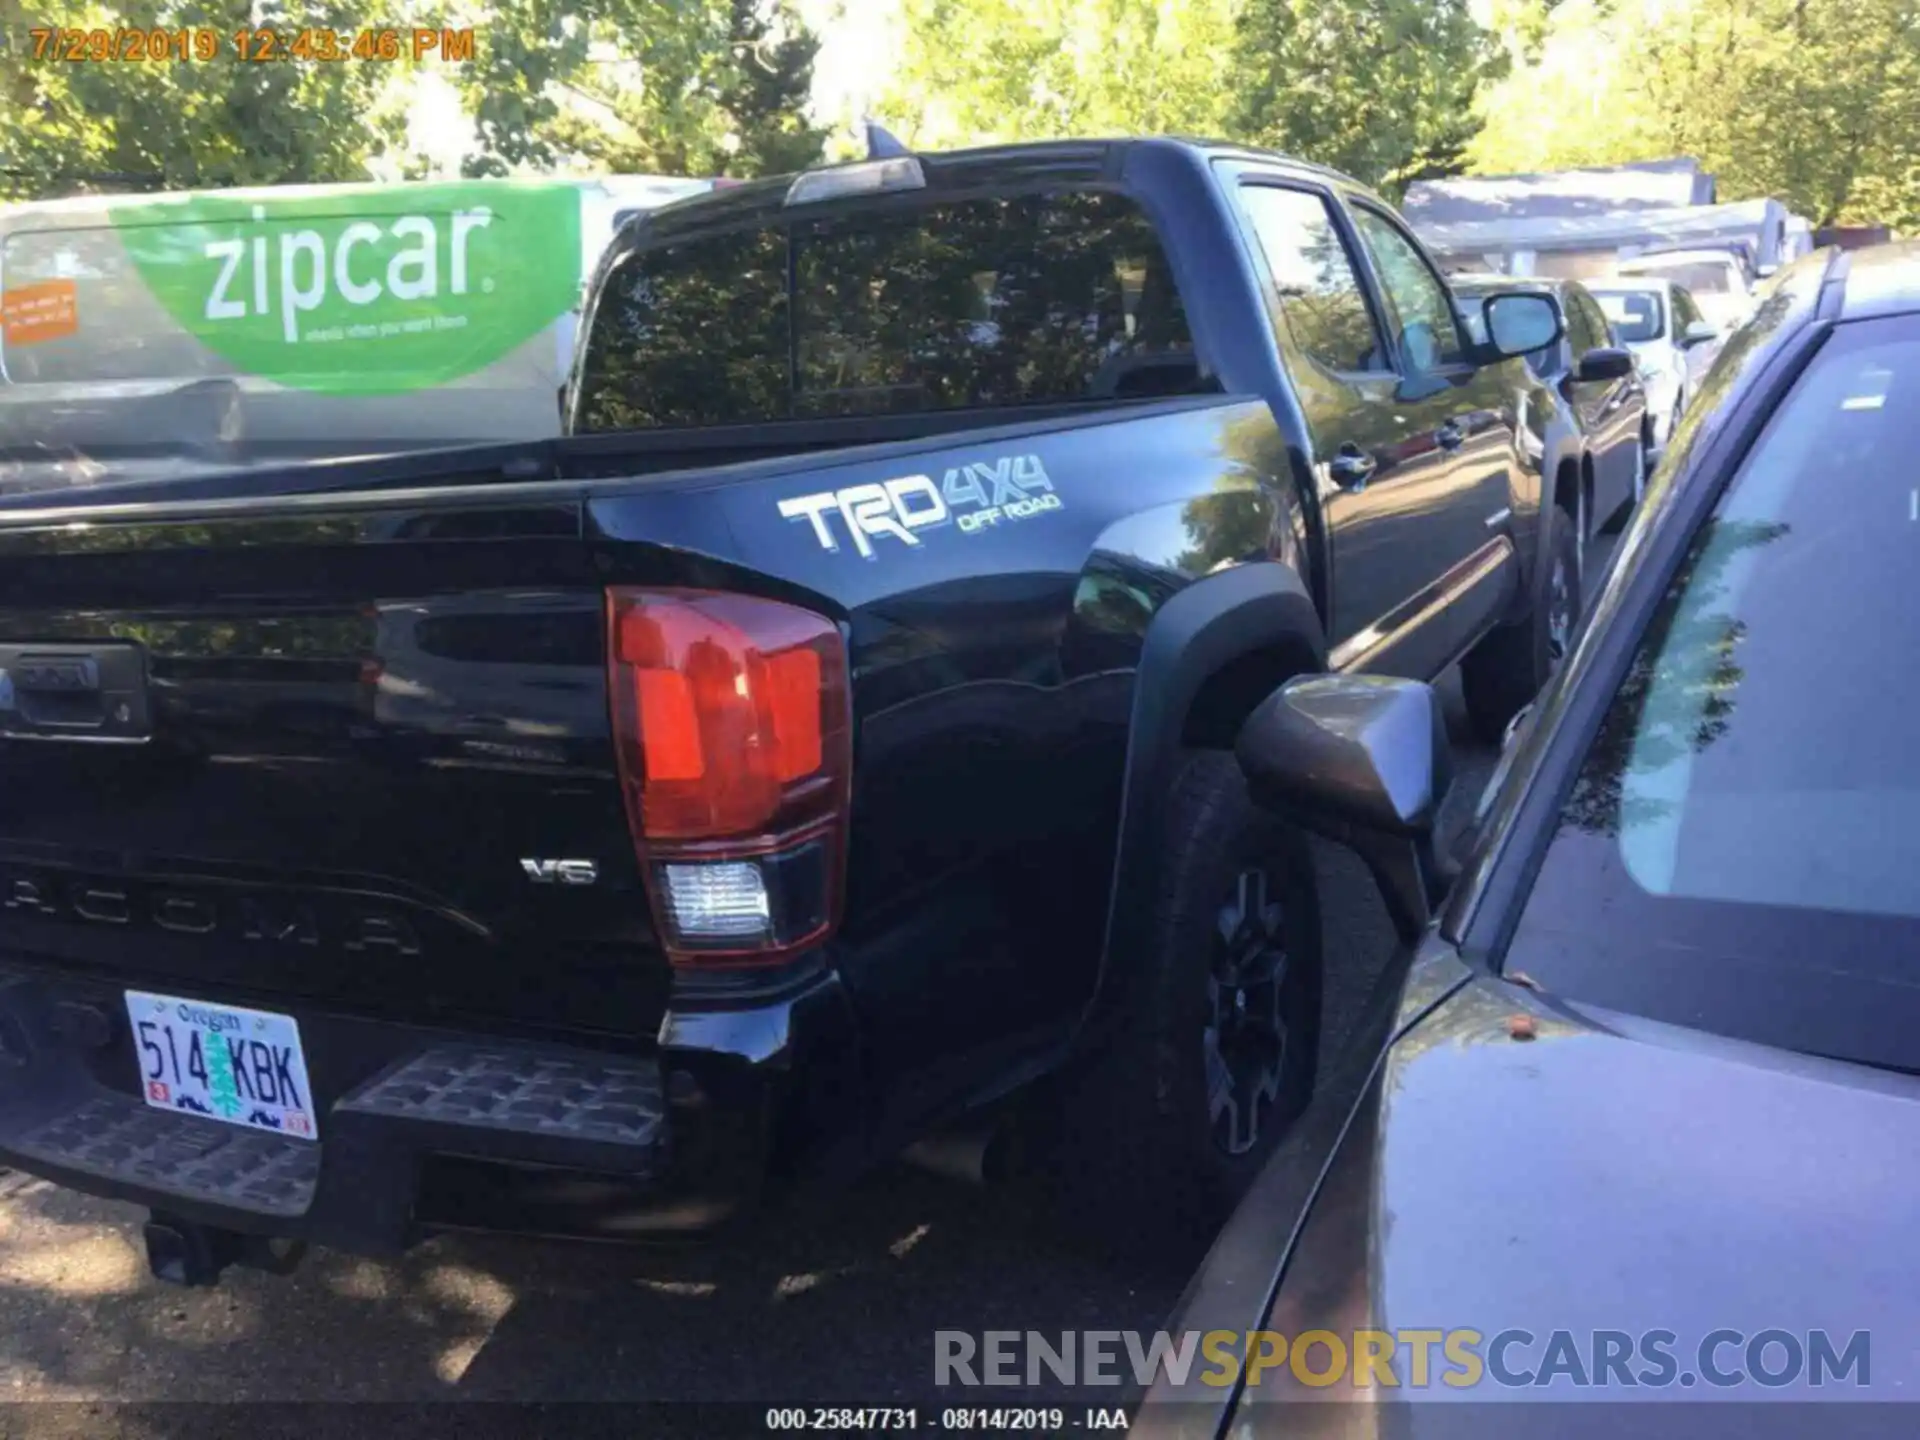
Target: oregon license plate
{"x":222,"y":1061}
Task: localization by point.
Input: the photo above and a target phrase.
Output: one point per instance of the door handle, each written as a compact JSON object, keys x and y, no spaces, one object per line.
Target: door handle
{"x":1351,"y":468}
{"x":1450,"y":436}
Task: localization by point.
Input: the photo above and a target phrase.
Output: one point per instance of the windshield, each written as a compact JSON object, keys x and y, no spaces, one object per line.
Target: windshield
{"x":1741,"y":849}
{"x":1637,"y":316}
{"x":1702,"y":277}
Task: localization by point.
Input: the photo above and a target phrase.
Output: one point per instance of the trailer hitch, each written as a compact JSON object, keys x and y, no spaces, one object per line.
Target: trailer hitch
{"x":185,"y":1252}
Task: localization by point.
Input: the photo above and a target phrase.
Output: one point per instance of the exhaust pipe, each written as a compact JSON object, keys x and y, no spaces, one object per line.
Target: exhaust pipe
{"x":974,"y":1155}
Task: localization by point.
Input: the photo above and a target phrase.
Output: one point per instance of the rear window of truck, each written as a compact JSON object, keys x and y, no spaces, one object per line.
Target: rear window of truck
{"x":967,"y":303}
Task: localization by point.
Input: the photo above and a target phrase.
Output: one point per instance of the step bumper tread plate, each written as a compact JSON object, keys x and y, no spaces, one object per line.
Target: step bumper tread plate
{"x":119,"y":1137}
{"x":523,"y":1092}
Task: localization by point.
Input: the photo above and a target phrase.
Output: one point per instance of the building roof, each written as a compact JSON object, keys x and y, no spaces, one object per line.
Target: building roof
{"x":1753,"y":221}
{"x":1560,"y":194}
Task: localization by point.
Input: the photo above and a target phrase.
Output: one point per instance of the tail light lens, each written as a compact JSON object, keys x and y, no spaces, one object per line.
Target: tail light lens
{"x":735,"y":754}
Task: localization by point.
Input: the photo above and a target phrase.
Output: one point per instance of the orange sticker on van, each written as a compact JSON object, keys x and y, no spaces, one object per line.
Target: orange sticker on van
{"x":30,"y":314}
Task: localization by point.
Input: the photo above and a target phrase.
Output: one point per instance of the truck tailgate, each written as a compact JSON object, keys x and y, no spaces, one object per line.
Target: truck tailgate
{"x":359,"y":757}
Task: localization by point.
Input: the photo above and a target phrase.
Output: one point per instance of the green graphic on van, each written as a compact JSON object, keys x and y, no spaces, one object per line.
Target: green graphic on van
{"x":370,"y":292}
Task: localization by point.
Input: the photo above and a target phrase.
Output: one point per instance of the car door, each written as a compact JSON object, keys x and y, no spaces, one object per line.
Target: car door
{"x":1619,"y":407}
{"x":1459,"y":541}
{"x":1381,"y":466}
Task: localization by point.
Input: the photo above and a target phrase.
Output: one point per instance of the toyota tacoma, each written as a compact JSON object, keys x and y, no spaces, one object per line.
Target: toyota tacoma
{"x":827,"y":737}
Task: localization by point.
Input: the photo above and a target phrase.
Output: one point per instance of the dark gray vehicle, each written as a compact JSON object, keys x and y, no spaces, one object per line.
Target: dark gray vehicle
{"x":1601,"y":432}
{"x":1633,"y":1122}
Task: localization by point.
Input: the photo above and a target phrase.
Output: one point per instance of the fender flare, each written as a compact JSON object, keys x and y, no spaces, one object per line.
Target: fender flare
{"x":1263,"y":606}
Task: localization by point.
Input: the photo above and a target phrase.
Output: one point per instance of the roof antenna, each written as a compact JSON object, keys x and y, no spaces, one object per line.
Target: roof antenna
{"x":882,"y":144}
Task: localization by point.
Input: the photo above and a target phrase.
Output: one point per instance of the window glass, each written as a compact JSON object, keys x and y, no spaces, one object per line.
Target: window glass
{"x":1597,"y":324}
{"x":1636,"y":315}
{"x":1321,"y":302}
{"x":1685,"y":308}
{"x":1422,"y":316}
{"x":690,"y":334}
{"x":142,"y":343}
{"x":1707,"y":277}
{"x":1741,"y":847}
{"x":987,"y":302}
{"x":1580,"y":334}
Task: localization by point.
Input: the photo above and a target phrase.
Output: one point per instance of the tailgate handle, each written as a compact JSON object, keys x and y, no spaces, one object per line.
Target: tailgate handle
{"x":98,"y":693}
{"x":57,"y":674}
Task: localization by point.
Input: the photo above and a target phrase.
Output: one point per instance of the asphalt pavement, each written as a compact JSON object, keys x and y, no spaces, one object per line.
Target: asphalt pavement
{"x":836,"y":1305}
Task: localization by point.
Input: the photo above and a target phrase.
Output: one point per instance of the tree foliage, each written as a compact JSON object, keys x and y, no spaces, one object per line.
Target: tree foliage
{"x":1382,"y":89}
{"x":691,"y":87}
{"x":1816,"y":102}
{"x":69,"y":126}
{"x":982,"y":71}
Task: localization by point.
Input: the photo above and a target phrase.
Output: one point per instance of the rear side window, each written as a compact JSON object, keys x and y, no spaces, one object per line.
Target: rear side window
{"x":985,"y":302}
{"x":1321,"y":302}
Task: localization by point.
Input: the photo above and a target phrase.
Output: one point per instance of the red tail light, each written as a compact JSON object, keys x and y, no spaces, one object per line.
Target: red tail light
{"x":730,"y":717}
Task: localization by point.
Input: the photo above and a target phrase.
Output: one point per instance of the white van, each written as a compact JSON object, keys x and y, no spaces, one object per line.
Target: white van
{"x":143,"y":334}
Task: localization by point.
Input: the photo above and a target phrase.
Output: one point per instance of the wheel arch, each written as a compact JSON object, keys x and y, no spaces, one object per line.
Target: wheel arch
{"x":1211,"y":653}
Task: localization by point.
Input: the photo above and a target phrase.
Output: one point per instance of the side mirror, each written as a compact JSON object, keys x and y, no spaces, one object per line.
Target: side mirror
{"x":1362,"y":760}
{"x":1605,"y":362}
{"x":1700,"y":332}
{"x":1518,"y":324}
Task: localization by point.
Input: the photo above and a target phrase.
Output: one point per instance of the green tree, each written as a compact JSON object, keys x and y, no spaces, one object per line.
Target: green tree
{"x":765,"y":91}
{"x":1379,"y":88}
{"x":221,"y":1089}
{"x":1382,"y":89}
{"x":1816,"y":102}
{"x":982,"y":71}
{"x":67,"y":127}
{"x":642,"y":86}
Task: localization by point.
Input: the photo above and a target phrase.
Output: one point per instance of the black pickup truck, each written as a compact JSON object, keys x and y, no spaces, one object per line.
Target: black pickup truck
{"x":825,"y":739}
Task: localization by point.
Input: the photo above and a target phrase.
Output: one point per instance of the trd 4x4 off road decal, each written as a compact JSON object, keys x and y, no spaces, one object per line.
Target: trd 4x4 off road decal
{"x":974,"y":497}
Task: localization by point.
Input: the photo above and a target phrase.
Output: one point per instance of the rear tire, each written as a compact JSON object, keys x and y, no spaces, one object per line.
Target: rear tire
{"x":1506,"y":669}
{"x":1215,"y":1045}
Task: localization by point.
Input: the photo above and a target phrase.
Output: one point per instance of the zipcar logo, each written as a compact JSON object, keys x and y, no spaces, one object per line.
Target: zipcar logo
{"x":411,"y":272}
{"x":974,"y":497}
